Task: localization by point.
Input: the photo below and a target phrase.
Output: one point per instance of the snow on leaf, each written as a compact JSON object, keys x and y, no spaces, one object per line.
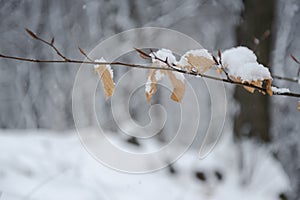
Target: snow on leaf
{"x":106,"y":75}
{"x":150,"y":86}
{"x":177,"y":80}
{"x":163,"y":54}
{"x":235,"y":57}
{"x":153,"y":78}
{"x":242,"y":66}
{"x":198,"y":61}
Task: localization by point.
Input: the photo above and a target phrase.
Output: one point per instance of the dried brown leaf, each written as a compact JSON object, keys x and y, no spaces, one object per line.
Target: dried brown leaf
{"x":268,"y":87}
{"x":178,"y":87}
{"x":256,"y":83}
{"x":151,"y":82}
{"x":201,"y":63}
{"x":106,"y":79}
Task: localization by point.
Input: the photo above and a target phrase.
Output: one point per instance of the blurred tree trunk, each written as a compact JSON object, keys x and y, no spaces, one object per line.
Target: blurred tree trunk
{"x":253,"y":119}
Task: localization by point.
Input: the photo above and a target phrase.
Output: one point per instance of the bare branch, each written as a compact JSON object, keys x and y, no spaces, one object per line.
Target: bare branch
{"x":295,"y":79}
{"x":170,"y":67}
{"x":79,"y":62}
{"x":215,"y":59}
{"x":51,"y":44}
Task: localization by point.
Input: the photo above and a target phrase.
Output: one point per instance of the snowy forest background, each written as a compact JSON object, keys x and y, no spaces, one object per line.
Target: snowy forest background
{"x":258,"y":155}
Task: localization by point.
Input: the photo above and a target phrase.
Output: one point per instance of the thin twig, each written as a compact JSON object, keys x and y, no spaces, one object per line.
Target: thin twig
{"x":50,"y":44}
{"x":295,"y":79}
{"x":170,"y":67}
{"x":80,"y":62}
{"x":228,"y":80}
{"x":145,"y":67}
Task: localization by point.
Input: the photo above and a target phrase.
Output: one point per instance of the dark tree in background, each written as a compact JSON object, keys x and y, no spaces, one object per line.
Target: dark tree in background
{"x":253,"y":118}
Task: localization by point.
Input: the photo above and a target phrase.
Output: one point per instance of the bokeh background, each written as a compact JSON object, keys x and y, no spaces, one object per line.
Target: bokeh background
{"x":258,"y":155}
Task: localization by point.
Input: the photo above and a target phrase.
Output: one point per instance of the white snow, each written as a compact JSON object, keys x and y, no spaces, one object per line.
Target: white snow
{"x":241,"y":62}
{"x":236,"y":56}
{"x":108,"y":67}
{"x":256,"y":41}
{"x":163,"y":54}
{"x":198,"y":53}
{"x":280,"y":90}
{"x":252,"y":72}
{"x":46,"y":165}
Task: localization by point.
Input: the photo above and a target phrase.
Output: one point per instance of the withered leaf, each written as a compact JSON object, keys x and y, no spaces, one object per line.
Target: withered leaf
{"x":153,"y":77}
{"x":179,"y":86}
{"x":106,"y":79}
{"x":201,"y":63}
{"x":150,"y":85}
{"x":268,"y":87}
{"x":256,"y":83}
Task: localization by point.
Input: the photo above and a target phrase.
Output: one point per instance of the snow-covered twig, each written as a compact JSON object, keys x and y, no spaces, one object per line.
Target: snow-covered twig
{"x":171,"y":67}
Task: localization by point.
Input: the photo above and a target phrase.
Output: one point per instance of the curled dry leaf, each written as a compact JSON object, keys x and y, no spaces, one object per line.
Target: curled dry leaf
{"x":177,"y":80}
{"x":256,"y":83}
{"x":150,"y":85}
{"x":153,"y":78}
{"x":196,"y":60}
{"x":299,"y":106}
{"x":106,"y":75}
{"x":269,"y":87}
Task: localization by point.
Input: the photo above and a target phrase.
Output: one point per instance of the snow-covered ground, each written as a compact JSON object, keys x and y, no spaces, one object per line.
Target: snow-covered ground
{"x":48,"y":165}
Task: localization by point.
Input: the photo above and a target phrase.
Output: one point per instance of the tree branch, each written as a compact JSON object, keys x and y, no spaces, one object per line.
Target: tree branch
{"x":170,"y":67}
{"x":50,"y":44}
